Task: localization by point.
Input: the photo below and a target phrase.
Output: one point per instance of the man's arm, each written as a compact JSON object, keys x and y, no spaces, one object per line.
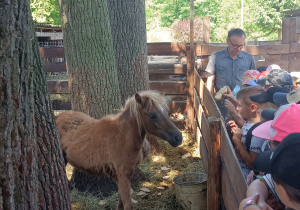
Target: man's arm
{"x":210,"y":83}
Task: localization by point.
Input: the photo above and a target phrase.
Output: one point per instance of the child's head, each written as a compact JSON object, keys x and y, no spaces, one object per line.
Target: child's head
{"x":249,"y":77}
{"x":246,"y":108}
{"x":263,"y":106}
{"x":296,"y":83}
{"x":283,"y":163}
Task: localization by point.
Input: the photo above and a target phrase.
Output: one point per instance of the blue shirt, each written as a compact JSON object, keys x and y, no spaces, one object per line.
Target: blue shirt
{"x":229,"y":71}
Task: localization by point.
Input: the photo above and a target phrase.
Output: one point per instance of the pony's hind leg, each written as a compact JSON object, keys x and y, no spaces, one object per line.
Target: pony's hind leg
{"x":124,"y":192}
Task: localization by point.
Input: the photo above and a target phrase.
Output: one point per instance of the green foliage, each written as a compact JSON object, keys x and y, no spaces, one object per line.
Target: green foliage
{"x":262,"y":18}
{"x":181,"y":30}
{"x":45,"y":11}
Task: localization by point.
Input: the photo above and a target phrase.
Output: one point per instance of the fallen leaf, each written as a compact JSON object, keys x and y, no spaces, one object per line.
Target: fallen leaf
{"x":145,"y":189}
{"x":141,"y":193}
{"x":164,"y":168}
{"x":166,"y":177}
{"x":161,"y":188}
{"x":131,"y":191}
{"x":186,"y":155}
{"x":159,"y":193}
{"x":102,"y":202}
{"x":133,"y":201}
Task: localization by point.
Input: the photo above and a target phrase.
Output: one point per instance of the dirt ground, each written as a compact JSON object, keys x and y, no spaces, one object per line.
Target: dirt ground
{"x":161,"y":168}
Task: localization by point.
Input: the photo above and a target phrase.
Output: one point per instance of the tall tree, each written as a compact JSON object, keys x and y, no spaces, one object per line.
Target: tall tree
{"x":92,"y":73}
{"x":128,"y":27}
{"x":32,"y":173}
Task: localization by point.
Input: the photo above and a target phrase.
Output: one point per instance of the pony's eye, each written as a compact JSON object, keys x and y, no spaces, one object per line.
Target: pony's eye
{"x":152,"y":116}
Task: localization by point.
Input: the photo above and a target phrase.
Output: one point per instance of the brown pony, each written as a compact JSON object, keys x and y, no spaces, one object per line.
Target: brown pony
{"x":112,"y":146}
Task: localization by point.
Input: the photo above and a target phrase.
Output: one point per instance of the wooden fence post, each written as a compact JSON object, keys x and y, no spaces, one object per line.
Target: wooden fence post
{"x":206,"y":29}
{"x":190,"y":52}
{"x":214,"y":167}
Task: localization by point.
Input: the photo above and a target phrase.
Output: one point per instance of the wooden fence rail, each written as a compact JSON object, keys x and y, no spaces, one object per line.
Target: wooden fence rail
{"x":227,"y":172}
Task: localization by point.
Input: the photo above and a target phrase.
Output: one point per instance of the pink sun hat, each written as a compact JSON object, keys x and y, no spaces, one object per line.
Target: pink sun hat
{"x":249,"y":77}
{"x":286,"y":121}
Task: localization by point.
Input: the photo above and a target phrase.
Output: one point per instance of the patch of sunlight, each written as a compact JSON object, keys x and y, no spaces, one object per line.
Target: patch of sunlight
{"x":158,"y":158}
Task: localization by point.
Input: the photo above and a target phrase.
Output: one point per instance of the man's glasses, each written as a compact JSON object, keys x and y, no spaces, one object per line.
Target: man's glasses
{"x":236,"y":46}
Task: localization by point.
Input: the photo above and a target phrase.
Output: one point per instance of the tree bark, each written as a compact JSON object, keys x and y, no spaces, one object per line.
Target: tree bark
{"x":92,"y":73}
{"x":128,"y":28}
{"x":32,"y":174}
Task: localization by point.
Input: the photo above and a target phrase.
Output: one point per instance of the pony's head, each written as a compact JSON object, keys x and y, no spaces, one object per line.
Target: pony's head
{"x":151,"y":111}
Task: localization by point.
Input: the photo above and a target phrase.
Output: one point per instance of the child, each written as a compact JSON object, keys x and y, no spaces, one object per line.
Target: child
{"x":231,"y":103}
{"x":277,"y":132}
{"x":248,"y":110}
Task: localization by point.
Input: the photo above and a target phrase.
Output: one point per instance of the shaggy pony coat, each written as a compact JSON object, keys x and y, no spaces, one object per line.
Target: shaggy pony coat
{"x":112,"y":146}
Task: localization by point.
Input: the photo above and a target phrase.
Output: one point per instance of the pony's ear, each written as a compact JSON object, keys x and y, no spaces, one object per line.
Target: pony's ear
{"x":138,"y":98}
{"x":164,"y":92}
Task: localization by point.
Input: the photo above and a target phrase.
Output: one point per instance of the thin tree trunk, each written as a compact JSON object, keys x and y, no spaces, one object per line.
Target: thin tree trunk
{"x":32,"y":174}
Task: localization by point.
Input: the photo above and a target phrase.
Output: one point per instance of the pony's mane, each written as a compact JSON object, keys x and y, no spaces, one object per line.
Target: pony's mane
{"x":153,"y":98}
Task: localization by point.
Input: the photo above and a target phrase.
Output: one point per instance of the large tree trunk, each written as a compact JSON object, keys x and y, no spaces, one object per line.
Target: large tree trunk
{"x":92,"y":73}
{"x":32,"y":174}
{"x":128,"y":27}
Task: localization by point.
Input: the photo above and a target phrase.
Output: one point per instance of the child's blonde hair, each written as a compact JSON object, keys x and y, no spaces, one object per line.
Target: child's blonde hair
{"x":245,"y":93}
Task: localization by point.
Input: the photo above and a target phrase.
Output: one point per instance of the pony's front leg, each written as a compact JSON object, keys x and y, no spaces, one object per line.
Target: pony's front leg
{"x":124,"y":192}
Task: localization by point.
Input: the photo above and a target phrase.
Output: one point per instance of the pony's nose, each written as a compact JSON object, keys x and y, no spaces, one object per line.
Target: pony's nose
{"x":178,"y":139}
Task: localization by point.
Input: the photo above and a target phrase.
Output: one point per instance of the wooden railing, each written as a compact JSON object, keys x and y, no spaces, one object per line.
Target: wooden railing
{"x":217,"y":153}
{"x":285,"y":55}
{"x":159,"y":73}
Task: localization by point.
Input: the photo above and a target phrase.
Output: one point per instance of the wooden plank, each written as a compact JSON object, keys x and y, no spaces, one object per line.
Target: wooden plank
{"x":228,"y":153}
{"x":273,"y":57}
{"x":286,"y":31}
{"x":228,"y":194}
{"x":204,"y":155}
{"x":61,"y":105}
{"x":292,"y":30}
{"x":52,"y":52}
{"x":204,"y":62}
{"x":167,"y":69}
{"x":293,"y":56}
{"x":208,"y":49}
{"x":294,"y":65}
{"x":55,"y":66}
{"x":267,"y":49}
{"x":214,"y":170}
{"x":168,"y":48}
{"x":295,"y":48}
{"x":58,"y":87}
{"x":202,"y":120}
{"x":206,"y":97}
{"x":206,"y":29}
{"x":190,"y":87}
{"x":174,"y":106}
{"x":252,"y":49}
{"x":284,"y":64}
{"x":171,"y":87}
